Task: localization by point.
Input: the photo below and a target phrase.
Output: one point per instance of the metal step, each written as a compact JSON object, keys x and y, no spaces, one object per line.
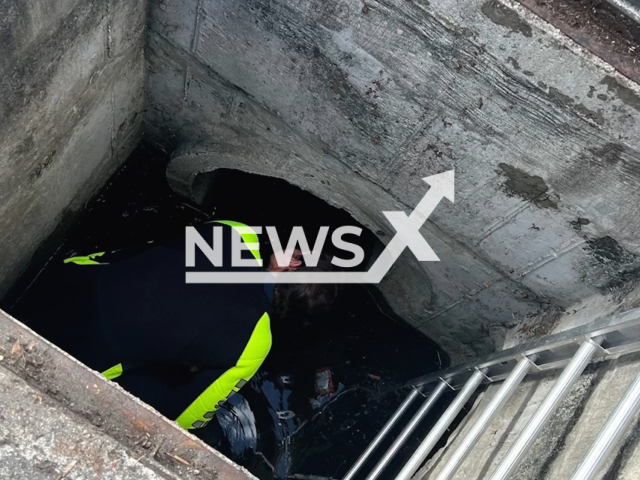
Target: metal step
{"x":611,"y":434}
{"x":413,"y":423}
{"x":382,"y":434}
{"x":570,"y":351}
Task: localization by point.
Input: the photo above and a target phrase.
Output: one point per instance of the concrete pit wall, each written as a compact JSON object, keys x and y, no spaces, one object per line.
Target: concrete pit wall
{"x":357,"y":101}
{"x":71,"y":83}
{"x":71,"y":100}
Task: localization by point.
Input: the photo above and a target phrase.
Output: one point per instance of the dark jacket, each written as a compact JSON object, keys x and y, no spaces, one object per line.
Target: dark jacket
{"x":182,"y":348}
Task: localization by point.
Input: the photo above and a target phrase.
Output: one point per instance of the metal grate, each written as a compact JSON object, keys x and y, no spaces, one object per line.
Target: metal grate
{"x":570,"y":351}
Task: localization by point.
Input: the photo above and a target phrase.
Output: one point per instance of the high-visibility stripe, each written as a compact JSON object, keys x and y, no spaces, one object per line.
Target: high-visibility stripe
{"x":248,"y":235}
{"x":113,"y":372}
{"x":204,"y":407}
{"x":85,"y":260}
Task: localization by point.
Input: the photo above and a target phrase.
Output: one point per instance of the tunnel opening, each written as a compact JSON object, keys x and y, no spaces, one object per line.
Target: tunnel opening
{"x":329,"y":382}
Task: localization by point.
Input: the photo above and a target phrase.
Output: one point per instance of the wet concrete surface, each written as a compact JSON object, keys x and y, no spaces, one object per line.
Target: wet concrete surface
{"x":329,"y":383}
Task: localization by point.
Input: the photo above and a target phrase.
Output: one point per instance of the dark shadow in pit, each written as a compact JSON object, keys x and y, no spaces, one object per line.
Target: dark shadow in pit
{"x":284,"y":423}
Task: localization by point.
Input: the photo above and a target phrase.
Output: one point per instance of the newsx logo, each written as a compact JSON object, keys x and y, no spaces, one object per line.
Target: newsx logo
{"x":283,"y":257}
{"x":407,"y":235}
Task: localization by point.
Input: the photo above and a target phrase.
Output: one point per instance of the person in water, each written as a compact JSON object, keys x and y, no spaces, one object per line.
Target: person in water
{"x":182,"y":348}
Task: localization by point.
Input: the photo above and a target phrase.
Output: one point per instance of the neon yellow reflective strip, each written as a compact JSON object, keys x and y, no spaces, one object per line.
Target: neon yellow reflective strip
{"x":204,"y":407}
{"x":86,"y":260}
{"x":113,"y":372}
{"x":249,"y":236}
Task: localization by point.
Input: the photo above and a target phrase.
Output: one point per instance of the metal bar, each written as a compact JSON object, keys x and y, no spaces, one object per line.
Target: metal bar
{"x":441,"y":426}
{"x":611,"y":433}
{"x":530,"y":432}
{"x":382,"y":434}
{"x":628,"y":8}
{"x":413,"y":423}
{"x":624,"y":349}
{"x":594,"y":329}
{"x":497,"y":402}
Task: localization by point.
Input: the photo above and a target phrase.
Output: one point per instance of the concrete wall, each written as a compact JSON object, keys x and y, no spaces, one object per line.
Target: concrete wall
{"x":71,"y":99}
{"x":356,"y":101}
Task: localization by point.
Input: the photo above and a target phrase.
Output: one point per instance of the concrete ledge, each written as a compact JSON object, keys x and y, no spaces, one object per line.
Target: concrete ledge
{"x":63,"y":392}
{"x":39,"y":438}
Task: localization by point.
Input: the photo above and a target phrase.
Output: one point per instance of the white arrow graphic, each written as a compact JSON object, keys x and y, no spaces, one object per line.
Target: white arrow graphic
{"x":442,"y":185}
{"x":407,"y":235}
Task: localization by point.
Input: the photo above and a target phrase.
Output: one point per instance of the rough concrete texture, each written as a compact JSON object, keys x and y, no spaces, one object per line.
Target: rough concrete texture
{"x":71,"y":83}
{"x":66,"y":416}
{"x":580,"y":313}
{"x":356,"y":101}
{"x":41,"y":439}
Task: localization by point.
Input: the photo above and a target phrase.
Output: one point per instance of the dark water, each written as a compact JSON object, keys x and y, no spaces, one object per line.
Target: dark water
{"x":280,"y":425}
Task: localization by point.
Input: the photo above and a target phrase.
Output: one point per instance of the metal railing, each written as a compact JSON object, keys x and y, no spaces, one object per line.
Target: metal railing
{"x":571,"y":350}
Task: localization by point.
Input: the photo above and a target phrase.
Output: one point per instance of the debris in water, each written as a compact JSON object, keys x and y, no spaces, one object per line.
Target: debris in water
{"x":324,"y":382}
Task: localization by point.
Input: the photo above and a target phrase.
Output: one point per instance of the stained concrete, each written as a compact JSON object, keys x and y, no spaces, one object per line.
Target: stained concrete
{"x":356,"y":101}
{"x":71,"y":83}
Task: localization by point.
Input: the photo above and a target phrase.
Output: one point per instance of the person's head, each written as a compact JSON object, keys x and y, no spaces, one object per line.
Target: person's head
{"x":294,"y":262}
{"x":304,"y":299}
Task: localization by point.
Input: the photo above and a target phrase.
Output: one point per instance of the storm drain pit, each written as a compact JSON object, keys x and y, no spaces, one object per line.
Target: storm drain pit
{"x":328,"y":384}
